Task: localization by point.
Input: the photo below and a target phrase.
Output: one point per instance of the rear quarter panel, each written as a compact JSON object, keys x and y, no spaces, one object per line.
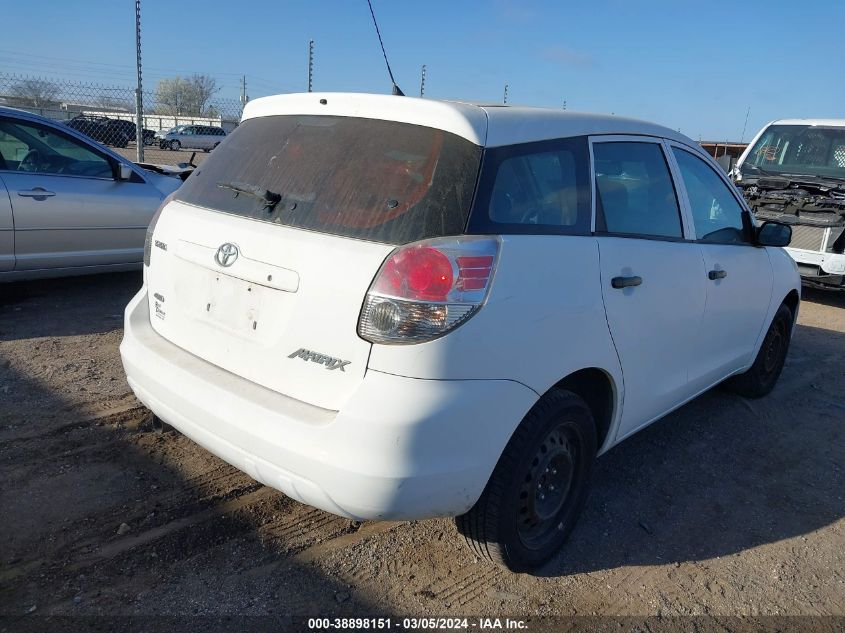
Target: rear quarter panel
{"x":544,"y":319}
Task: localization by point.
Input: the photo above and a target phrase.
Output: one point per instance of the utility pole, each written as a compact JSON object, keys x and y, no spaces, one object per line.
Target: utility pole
{"x":422,"y":82}
{"x":244,"y":97}
{"x":310,"y":65}
{"x":505,"y":99}
{"x":744,"y":125}
{"x":139,"y":97}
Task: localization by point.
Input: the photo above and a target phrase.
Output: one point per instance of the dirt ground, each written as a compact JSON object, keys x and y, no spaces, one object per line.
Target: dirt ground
{"x":726,"y":507}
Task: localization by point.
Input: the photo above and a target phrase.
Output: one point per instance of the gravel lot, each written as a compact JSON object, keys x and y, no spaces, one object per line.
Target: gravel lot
{"x":726,"y":507}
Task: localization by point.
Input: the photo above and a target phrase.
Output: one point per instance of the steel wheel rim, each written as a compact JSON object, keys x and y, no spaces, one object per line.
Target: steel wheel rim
{"x":545,"y":492}
{"x":774,"y":346}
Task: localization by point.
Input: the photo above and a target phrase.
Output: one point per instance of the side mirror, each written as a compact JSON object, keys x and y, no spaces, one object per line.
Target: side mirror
{"x":774,"y":234}
{"x":124,"y":171}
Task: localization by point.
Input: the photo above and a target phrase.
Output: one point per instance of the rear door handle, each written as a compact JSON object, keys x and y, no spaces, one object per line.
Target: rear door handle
{"x":36,"y":192}
{"x":626,"y":282}
{"x":713,"y":275}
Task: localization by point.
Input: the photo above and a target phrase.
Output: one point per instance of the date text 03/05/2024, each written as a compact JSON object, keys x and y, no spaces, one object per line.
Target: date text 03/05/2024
{"x":412,"y":624}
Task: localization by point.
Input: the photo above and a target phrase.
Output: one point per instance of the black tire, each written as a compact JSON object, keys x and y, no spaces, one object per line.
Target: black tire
{"x":175,"y":145}
{"x":538,"y":488}
{"x":762,"y":376}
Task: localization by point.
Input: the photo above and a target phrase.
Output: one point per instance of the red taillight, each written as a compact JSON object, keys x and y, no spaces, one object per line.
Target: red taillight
{"x":424,"y":290}
{"x":421,"y":273}
{"x":473,"y":272}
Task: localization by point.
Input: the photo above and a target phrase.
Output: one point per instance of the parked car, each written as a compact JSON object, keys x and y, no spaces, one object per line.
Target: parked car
{"x":794,"y":172}
{"x":394,"y":308}
{"x":115,"y":132}
{"x":162,"y":134}
{"x":204,"y":137}
{"x":129,"y":128}
{"x":68,"y":205}
{"x":97,"y":128}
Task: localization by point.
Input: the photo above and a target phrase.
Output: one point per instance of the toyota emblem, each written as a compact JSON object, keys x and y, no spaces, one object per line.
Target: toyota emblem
{"x":226,"y":254}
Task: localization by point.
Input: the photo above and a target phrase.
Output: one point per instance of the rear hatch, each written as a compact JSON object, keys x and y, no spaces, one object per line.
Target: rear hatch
{"x":261,"y":264}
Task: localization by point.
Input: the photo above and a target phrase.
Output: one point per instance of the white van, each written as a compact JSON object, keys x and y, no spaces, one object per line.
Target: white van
{"x":204,"y":137}
{"x":397,"y":308}
{"x":794,"y":172}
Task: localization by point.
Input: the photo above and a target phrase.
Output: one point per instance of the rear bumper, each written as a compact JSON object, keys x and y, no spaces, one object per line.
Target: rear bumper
{"x":401,"y":448}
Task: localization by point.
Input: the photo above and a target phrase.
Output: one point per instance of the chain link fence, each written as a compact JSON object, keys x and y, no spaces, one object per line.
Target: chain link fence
{"x":180,"y":117}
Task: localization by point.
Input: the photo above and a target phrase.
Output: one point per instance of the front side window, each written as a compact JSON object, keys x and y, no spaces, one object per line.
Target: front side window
{"x":38,"y":149}
{"x":716,"y":213}
{"x":635,"y":195}
{"x":534,"y":188}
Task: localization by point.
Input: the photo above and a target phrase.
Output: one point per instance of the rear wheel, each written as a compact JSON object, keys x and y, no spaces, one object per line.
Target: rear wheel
{"x":760,"y":379}
{"x":538,"y":487}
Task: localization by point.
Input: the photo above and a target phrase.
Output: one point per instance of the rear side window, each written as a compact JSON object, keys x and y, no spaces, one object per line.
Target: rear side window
{"x":534,"y":188}
{"x":368,"y":179}
{"x":635,"y":195}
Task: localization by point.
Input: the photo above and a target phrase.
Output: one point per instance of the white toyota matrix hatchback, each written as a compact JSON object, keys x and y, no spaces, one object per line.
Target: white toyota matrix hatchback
{"x":396,"y":308}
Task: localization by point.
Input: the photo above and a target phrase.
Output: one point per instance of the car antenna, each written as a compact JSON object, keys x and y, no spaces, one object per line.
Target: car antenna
{"x":396,"y":90}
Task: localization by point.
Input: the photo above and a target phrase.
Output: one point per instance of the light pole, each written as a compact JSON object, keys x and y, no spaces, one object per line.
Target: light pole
{"x":310,"y":64}
{"x":422,"y":81}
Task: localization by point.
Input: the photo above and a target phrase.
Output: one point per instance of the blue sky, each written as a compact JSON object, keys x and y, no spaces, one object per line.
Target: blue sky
{"x":694,"y":66}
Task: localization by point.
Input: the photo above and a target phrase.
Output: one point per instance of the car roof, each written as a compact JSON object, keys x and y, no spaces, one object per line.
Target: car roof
{"x":819,"y":122}
{"x":483,"y":124}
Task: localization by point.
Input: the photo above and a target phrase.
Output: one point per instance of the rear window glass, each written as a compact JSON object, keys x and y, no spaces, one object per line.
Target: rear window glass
{"x":367,"y":179}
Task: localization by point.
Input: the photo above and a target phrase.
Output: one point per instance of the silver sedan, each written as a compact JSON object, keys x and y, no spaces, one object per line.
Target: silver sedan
{"x":68,"y":205}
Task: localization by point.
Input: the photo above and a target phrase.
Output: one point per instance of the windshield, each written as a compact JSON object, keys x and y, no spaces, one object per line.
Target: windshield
{"x":798,"y":150}
{"x":369,"y":179}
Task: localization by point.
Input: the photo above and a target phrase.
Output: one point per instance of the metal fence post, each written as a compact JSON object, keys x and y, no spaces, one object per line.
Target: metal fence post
{"x":139,"y":96}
